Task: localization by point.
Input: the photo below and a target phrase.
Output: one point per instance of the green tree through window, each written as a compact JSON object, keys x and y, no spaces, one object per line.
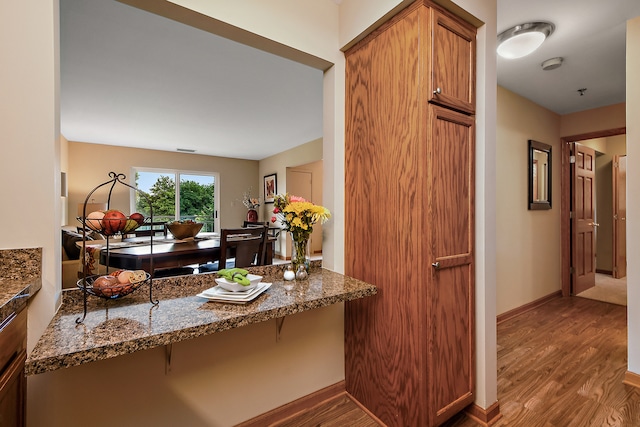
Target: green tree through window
{"x":194,"y":199}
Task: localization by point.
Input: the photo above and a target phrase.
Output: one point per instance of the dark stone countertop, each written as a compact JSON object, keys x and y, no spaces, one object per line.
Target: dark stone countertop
{"x":129,"y":324}
{"x":20,"y":278}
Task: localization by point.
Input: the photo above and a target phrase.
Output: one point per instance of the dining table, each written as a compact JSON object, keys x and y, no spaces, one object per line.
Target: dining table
{"x":143,"y":253}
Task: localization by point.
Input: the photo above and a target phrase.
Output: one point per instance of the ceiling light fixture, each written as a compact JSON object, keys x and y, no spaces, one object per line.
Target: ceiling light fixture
{"x":552,"y":64}
{"x":523,"y":39}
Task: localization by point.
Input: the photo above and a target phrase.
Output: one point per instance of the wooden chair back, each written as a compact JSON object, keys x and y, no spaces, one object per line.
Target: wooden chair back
{"x":245,"y":244}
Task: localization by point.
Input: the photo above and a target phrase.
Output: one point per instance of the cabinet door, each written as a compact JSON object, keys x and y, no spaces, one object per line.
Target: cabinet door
{"x":450,"y":295}
{"x":12,"y":393}
{"x":453,"y":53}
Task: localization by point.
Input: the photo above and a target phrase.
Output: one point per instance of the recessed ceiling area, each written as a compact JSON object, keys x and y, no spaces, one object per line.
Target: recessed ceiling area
{"x":590,"y":36}
{"x":133,"y":78}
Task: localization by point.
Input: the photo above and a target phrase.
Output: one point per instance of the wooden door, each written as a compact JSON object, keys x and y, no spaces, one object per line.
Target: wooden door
{"x":619,"y":216}
{"x":450,"y":295}
{"x":453,"y":50}
{"x":583,"y":225}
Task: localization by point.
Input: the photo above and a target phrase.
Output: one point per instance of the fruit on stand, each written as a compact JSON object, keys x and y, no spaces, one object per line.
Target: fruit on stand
{"x":118,"y":283}
{"x":137,"y":217}
{"x":103,"y":285}
{"x":130,"y":225}
{"x":94,"y":220}
{"x":113,"y":222}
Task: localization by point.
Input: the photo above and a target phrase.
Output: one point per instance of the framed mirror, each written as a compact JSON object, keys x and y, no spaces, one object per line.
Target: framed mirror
{"x":539,"y":175}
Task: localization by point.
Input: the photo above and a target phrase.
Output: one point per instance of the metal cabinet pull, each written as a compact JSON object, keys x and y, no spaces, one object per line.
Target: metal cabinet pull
{"x":438,"y":91}
{"x":436,"y":265}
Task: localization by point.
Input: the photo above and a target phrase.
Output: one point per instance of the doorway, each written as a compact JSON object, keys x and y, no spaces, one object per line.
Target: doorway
{"x":569,"y":225}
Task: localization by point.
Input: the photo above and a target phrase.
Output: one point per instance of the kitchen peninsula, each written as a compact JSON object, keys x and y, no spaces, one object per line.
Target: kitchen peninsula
{"x":131,"y":324}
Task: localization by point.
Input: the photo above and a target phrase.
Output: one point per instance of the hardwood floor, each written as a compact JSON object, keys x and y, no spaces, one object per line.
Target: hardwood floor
{"x":562,"y":365}
{"x":339,"y":412}
{"x":559,"y":365}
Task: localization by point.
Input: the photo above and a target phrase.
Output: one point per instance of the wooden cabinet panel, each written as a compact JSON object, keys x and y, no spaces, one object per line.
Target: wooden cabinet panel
{"x":382,"y":159}
{"x":453,"y":53}
{"x":13,"y":393}
{"x":13,"y":339}
{"x":450,"y":295}
{"x":409,"y":195}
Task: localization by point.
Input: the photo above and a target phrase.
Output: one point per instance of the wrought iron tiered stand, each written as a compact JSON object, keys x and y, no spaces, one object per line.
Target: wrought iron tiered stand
{"x":86,"y":283}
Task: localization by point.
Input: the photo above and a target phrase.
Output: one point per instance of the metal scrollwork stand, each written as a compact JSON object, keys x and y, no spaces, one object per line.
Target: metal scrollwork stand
{"x":116,"y":178}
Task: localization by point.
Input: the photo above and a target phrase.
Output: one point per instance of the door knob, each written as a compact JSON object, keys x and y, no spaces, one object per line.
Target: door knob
{"x":438,"y":91}
{"x":436,"y":265}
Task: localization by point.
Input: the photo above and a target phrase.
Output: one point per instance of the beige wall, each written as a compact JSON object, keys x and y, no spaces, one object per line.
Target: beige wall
{"x":529,"y":246}
{"x":217,"y":380}
{"x":597,"y":119}
{"x":90,"y":164}
{"x":30,"y":172}
{"x":528,"y":242}
{"x":315,"y":169}
{"x":279,"y":164}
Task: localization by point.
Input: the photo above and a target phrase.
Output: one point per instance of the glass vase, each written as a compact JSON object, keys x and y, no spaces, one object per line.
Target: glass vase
{"x":300,"y":254}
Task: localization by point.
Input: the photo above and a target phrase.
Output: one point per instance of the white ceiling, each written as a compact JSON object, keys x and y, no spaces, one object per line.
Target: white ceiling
{"x":135,"y":79}
{"x":590,"y":36}
{"x":131,"y":78}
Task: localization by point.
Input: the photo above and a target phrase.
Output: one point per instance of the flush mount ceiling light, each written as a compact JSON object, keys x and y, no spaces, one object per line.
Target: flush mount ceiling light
{"x":523,"y":39}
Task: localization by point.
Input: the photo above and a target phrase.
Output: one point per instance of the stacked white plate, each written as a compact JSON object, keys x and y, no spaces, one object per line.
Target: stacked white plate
{"x":219,"y":294}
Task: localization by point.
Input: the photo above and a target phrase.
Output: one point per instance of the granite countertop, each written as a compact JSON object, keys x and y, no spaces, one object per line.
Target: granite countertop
{"x":117,"y":327}
{"x":20,"y":278}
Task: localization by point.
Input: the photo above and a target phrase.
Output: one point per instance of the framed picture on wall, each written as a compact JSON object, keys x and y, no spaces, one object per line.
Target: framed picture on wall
{"x":270,"y":188}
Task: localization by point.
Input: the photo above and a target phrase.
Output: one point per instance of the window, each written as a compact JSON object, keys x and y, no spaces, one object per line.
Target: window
{"x":178,"y":195}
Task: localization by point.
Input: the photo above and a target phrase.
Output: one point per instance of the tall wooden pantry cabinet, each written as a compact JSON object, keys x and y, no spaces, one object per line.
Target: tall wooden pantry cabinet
{"x":409,"y":207}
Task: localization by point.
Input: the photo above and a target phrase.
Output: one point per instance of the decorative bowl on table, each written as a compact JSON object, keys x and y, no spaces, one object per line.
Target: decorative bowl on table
{"x":184,"y":230}
{"x":230,"y":285}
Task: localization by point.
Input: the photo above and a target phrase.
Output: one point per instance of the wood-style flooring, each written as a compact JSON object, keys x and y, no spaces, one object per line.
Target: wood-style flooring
{"x":560,"y":365}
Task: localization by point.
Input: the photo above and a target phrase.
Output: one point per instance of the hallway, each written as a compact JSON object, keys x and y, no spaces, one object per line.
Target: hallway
{"x":607,"y":289}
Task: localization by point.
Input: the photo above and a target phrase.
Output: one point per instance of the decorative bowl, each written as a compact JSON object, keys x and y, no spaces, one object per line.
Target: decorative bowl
{"x":237,"y":287}
{"x":184,"y":230}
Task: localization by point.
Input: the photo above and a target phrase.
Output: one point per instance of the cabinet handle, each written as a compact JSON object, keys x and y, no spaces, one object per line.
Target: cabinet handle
{"x":595,"y":224}
{"x":436,"y":265}
{"x":438,"y":91}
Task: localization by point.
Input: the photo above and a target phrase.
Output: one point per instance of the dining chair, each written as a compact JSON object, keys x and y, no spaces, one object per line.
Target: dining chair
{"x":245,"y":245}
{"x":239,"y":247}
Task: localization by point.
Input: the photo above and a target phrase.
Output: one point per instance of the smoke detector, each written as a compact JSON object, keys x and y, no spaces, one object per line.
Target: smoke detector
{"x":552,"y":64}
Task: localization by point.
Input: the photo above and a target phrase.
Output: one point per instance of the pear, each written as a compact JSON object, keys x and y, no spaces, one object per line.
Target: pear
{"x":130,"y":225}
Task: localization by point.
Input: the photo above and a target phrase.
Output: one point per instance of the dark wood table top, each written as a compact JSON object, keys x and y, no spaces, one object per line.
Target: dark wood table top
{"x":164,"y":254}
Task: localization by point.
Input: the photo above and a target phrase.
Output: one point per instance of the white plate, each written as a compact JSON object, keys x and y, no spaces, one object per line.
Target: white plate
{"x":234,"y":297}
{"x":218,"y":292}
